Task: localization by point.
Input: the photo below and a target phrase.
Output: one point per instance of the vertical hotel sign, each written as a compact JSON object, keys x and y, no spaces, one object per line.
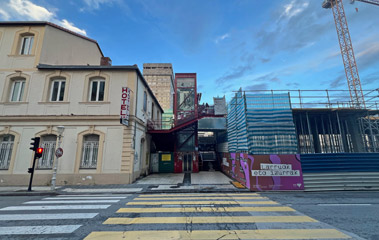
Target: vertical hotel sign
{"x":125,"y":103}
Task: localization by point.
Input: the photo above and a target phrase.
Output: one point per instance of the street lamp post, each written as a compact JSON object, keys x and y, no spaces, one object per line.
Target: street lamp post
{"x":53,"y":179}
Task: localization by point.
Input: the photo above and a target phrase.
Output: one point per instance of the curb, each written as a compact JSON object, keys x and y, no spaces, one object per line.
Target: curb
{"x":29,"y":193}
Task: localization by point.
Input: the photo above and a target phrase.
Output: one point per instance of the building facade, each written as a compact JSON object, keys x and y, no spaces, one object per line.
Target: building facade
{"x":160,"y":78}
{"x":50,"y":77}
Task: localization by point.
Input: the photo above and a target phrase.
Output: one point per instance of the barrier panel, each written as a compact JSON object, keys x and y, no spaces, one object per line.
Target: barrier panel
{"x":269,"y":172}
{"x":340,"y":171}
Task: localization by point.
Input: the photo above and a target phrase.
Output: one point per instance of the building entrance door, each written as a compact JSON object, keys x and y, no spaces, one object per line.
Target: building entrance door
{"x":187,"y":162}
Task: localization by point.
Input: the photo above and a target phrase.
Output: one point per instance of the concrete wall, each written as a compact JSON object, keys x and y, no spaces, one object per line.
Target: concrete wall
{"x":10,"y":47}
{"x":50,"y":46}
{"x":61,"y":48}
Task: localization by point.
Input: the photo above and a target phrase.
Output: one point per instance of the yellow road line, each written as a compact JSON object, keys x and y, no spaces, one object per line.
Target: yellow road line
{"x":200,"y":202}
{"x":217,"y":219}
{"x":205,"y":198}
{"x":198,"y":194}
{"x":222,"y":234}
{"x":205,"y":209}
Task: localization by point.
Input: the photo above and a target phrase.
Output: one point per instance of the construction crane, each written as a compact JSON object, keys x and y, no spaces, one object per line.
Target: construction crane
{"x":348,"y":58}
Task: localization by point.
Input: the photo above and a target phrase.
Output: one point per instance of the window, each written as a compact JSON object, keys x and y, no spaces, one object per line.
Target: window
{"x":152,"y":111}
{"x":57,"y":90}
{"x":17,"y":90}
{"x":97,"y":89}
{"x":90,"y":151}
{"x":26,"y":45}
{"x":144,"y":101}
{"x":48,"y":145}
{"x":6,"y":147}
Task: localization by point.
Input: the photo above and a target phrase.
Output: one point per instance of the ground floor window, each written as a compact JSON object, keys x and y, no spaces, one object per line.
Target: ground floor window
{"x":90,"y":151}
{"x":48,"y":144}
{"x":6,"y":147}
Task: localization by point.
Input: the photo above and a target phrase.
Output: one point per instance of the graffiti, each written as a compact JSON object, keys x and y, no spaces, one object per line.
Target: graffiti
{"x":265,"y":172}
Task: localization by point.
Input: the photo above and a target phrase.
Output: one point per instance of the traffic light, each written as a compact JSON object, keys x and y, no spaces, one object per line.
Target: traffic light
{"x":39,"y":152}
{"x":34,"y":144}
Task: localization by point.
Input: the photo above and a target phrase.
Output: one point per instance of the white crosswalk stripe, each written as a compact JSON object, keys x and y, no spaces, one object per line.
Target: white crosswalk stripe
{"x":38,"y":229}
{"x":21,"y":217}
{"x":43,"y":220}
{"x":72,"y":201}
{"x":57,"y":207}
{"x":83,"y":198}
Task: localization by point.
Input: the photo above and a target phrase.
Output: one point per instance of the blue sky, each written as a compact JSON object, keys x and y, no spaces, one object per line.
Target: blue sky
{"x":253,"y":44}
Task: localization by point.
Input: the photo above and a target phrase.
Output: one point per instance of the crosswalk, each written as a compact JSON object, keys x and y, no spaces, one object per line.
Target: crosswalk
{"x":61,"y":215}
{"x":211,"y":216}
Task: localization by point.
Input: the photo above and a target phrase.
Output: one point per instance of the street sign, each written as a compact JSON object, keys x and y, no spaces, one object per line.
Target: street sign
{"x":59,"y":152}
{"x":125,"y":103}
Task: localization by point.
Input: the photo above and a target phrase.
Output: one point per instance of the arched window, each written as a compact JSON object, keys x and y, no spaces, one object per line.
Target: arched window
{"x":48,"y":143}
{"x":90,"y":151}
{"x":17,"y":89}
{"x":57,"y":88}
{"x":6,"y":147}
{"x":144,"y":101}
{"x":96,"y":89}
{"x":26,"y":44}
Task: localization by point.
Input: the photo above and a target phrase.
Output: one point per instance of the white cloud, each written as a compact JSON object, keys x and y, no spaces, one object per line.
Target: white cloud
{"x":70,"y":26}
{"x":4,"y":15}
{"x":294,"y":8}
{"x":223,"y":37}
{"x":29,"y":10}
{"x":95,"y":4}
{"x":25,"y":10}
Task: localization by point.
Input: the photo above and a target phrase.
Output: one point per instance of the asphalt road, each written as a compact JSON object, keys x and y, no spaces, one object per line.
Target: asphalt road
{"x":355,"y":211}
{"x":212,"y":216}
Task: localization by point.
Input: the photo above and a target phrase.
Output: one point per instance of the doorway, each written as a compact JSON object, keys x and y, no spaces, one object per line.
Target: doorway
{"x":187,"y":162}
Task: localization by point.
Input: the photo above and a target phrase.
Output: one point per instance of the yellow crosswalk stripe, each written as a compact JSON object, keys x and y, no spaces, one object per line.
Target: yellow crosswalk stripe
{"x":199,"y":194}
{"x":201,"y":202}
{"x":217,"y":219}
{"x":205,"y":198}
{"x":205,"y":209}
{"x":222,"y":234}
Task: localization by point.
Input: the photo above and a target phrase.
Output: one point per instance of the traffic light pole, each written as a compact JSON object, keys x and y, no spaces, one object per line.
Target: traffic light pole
{"x":32,"y":173}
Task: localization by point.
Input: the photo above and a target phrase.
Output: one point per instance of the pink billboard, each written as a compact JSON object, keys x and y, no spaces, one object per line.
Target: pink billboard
{"x":265,"y":172}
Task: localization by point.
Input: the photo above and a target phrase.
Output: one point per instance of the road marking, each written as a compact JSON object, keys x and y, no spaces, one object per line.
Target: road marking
{"x":201,"y":202}
{"x":72,"y":201}
{"x":199,"y":194}
{"x":206,"y":209}
{"x":222,"y":234}
{"x":200,"y":198}
{"x":14,"y":217}
{"x":98,"y":195}
{"x":344,"y":204}
{"x":83,"y":198}
{"x":26,"y":230}
{"x":217,"y":219}
{"x":98,"y":190}
{"x":57,"y":207}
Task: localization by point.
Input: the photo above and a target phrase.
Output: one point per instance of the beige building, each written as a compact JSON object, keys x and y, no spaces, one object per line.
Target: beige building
{"x":50,"y":76}
{"x":160,"y":77}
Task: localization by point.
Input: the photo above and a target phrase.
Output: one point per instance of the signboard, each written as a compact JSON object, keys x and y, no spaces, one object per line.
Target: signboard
{"x":166,"y":157}
{"x":265,"y":172}
{"x":125,"y":103}
{"x":59,"y":152}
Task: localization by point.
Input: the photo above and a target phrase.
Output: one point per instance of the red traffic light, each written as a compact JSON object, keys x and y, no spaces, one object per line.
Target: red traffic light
{"x":39,"y":152}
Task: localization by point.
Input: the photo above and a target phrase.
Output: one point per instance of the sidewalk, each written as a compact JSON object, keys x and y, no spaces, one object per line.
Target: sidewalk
{"x":154,"y":183}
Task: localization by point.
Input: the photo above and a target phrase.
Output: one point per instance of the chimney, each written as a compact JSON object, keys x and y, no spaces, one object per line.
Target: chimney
{"x":105,"y":61}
